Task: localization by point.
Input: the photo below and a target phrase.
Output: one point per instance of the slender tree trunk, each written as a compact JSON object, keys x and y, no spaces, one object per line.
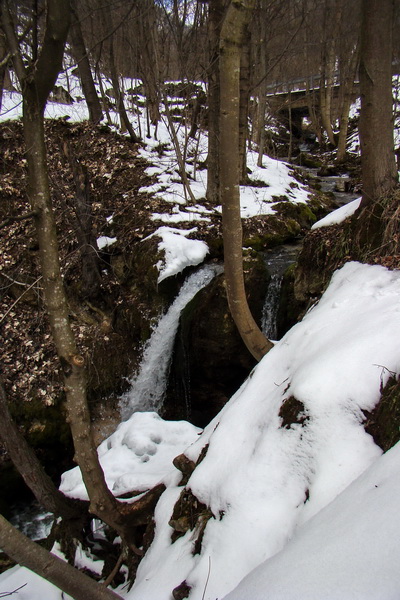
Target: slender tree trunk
{"x":61,"y":574}
{"x":244,"y":103}
{"x":328,"y":68}
{"x":31,"y":470}
{"x":347,"y":83}
{"x":102,"y":502}
{"x":125,"y":122}
{"x":215,"y":17}
{"x":103,"y":96}
{"x":36,"y":88}
{"x":378,"y":166}
{"x":85,"y":72}
{"x":179,"y":157}
{"x":3,"y":64}
{"x":91,"y":274}
{"x":149,"y":61}
{"x":234,"y":25}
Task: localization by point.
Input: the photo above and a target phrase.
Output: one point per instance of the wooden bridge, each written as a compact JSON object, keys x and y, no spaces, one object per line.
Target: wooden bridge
{"x":295,"y":98}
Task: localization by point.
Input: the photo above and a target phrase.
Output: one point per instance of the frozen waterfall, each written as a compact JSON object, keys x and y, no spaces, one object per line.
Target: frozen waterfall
{"x":149,"y":384}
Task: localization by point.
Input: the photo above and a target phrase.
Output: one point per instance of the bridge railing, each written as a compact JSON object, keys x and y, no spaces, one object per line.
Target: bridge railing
{"x":311,"y":82}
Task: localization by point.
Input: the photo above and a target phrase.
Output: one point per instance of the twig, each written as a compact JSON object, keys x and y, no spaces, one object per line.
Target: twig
{"x":208,"y":577}
{"x":14,"y":281}
{"x":5,"y":594}
{"x":18,"y":299}
{"x":115,"y":570}
{"x":18,"y":218}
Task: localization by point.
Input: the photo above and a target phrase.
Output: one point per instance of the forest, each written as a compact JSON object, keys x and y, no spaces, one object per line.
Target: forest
{"x":199,"y":269}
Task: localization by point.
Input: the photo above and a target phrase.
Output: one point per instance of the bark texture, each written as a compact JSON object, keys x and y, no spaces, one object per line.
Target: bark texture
{"x":85,"y":73}
{"x":61,"y":574}
{"x":215,"y":18}
{"x":233,"y":29}
{"x":378,"y":166}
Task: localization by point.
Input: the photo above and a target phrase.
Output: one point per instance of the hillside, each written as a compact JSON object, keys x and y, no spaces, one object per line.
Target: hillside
{"x":297,"y":447}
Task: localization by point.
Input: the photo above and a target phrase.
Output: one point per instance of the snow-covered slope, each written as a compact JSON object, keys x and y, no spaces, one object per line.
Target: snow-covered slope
{"x":348,"y":550}
{"x":279,"y":487}
{"x":263,"y":476}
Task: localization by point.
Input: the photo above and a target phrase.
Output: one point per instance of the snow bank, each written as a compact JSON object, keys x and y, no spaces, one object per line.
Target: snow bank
{"x":278,"y":488}
{"x":349,"y":550}
{"x":263,"y":478}
{"x":338,"y":215}
{"x":179,"y":252}
{"x":137,"y":456}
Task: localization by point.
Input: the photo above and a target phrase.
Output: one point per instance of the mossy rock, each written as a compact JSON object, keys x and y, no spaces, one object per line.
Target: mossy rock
{"x":383,"y":423}
{"x":308,"y":160}
{"x":210,"y":360}
{"x":300,"y":213}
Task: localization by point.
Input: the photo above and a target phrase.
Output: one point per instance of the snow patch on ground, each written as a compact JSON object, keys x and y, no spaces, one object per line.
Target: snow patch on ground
{"x":338,"y":215}
{"x":179,"y":251}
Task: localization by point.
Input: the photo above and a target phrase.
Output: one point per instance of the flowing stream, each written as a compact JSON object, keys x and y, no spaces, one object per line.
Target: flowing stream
{"x":149,"y":385}
{"x":277,"y":261}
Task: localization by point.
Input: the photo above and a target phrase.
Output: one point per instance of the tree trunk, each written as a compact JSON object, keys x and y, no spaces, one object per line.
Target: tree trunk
{"x":32,"y":472}
{"x":91,"y":274}
{"x":378,"y":166}
{"x":118,"y":92}
{"x":149,"y":61}
{"x":215,"y":17}
{"x":328,"y":67}
{"x":102,"y":502}
{"x":244,"y":103}
{"x":233,"y":27}
{"x":3,"y":64}
{"x":36,"y":87}
{"x":50,"y":567}
{"x":85,"y":72}
{"x":348,"y":90}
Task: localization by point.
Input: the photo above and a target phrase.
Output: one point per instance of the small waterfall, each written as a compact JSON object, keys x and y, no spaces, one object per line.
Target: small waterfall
{"x":277,"y":262}
{"x":271,"y":306}
{"x":148,"y":386}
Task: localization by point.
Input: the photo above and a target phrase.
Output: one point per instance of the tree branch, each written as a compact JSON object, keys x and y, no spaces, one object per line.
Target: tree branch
{"x":9,"y":31}
{"x":48,"y":63}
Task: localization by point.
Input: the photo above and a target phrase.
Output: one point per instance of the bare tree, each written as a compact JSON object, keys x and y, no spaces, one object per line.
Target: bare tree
{"x":231,"y":41}
{"x":85,"y":72}
{"x":379,"y":173}
{"x":215,"y":18}
{"x":36,"y":83}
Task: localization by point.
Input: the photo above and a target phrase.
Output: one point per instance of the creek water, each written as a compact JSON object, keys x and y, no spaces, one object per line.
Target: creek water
{"x":334,"y":184}
{"x":149,"y":384}
{"x":277,"y":261}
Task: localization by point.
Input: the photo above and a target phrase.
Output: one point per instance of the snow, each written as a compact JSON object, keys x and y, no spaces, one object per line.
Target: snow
{"x":338,"y":215}
{"x":261,"y":480}
{"x":279,"y":492}
{"x":300,"y":510}
{"x":348,"y":550}
{"x":138,"y":455}
{"x":179,"y":251}
{"x":104,"y":241}
{"x":278,"y":183}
